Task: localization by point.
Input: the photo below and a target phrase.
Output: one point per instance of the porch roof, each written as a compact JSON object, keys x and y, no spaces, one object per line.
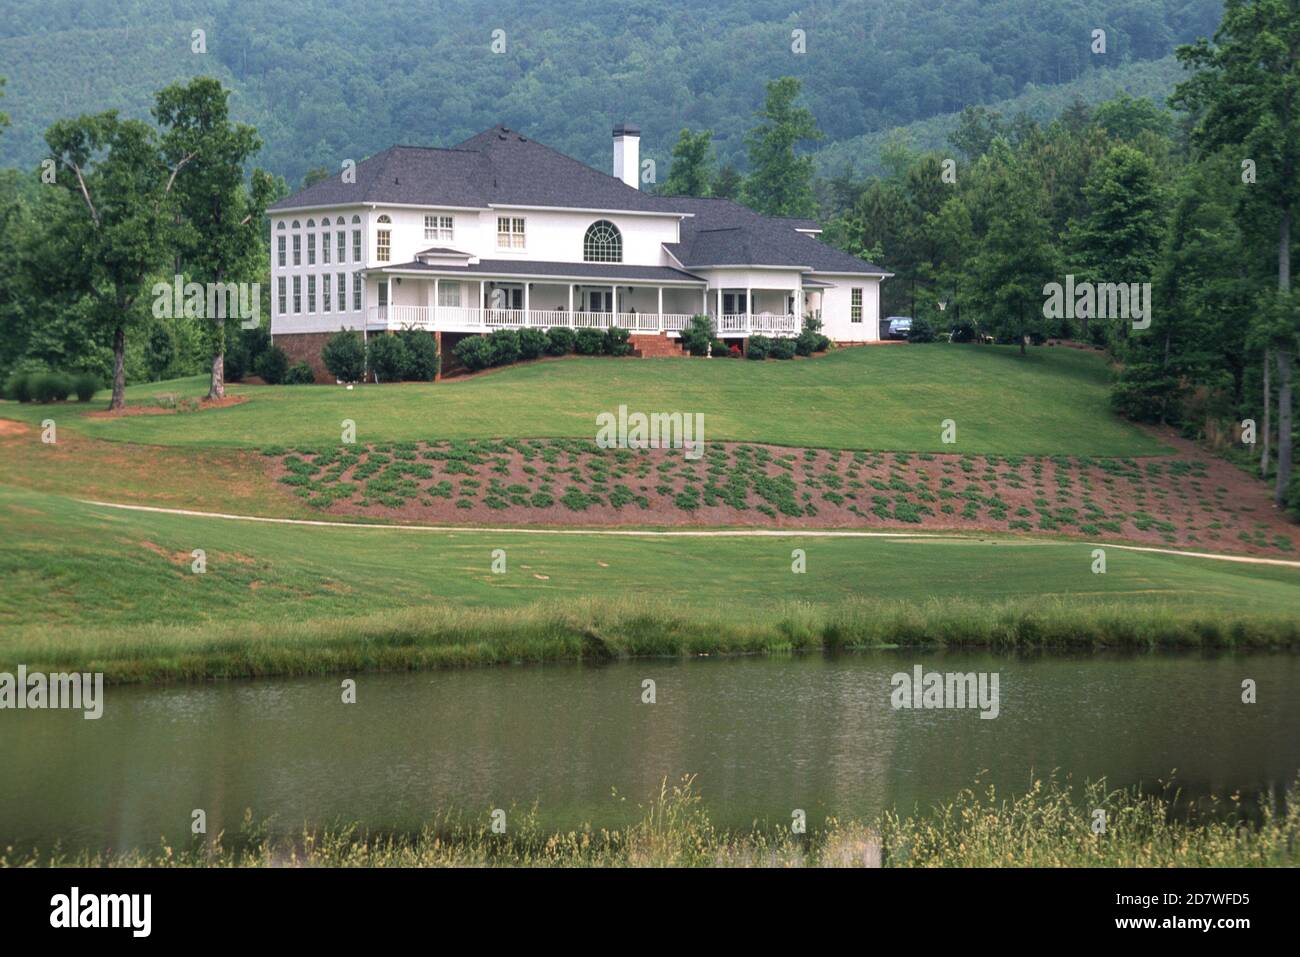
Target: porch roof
{"x":532,"y":269}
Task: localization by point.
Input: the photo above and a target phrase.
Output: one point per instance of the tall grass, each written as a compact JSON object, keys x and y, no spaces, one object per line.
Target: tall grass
{"x":444,"y":635}
{"x":1050,"y":825}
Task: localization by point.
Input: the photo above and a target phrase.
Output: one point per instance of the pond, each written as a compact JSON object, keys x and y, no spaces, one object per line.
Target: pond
{"x":764,"y":736}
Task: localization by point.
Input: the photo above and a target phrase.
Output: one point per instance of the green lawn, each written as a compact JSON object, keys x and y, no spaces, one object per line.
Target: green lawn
{"x":65,"y":563}
{"x":1054,"y":400}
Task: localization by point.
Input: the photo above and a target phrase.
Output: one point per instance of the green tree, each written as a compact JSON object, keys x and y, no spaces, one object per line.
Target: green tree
{"x":1118,"y":240}
{"x":728,"y":184}
{"x":780,"y":181}
{"x":1246,"y":94}
{"x":219,"y":234}
{"x":1004,"y":279}
{"x":114,"y":167}
{"x":692,"y":171}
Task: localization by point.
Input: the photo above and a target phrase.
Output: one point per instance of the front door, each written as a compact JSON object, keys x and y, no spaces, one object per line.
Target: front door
{"x":600,"y":300}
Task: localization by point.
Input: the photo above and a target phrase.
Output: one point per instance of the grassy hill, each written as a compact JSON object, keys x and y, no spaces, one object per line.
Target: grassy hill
{"x":1053,"y":400}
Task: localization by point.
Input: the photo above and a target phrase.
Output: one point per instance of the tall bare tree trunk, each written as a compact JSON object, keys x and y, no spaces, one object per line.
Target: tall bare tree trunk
{"x":1284,"y":358}
{"x":1268,"y":410}
{"x":218,"y":388}
{"x":119,"y":369}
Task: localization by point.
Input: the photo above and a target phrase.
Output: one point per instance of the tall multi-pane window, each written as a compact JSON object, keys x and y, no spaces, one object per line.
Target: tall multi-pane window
{"x":356,"y":239}
{"x":311,"y":249}
{"x":343,"y":291}
{"x":356,"y":292}
{"x":383,"y":240}
{"x":297,"y":249}
{"x":855,"y":304}
{"x":510,"y":232}
{"x":280,"y":243}
{"x":297,"y":294}
{"x":311,"y":293}
{"x":325,"y":293}
{"x":441,"y":228}
{"x":343,"y":241}
{"x":603,"y":243}
{"x":282,"y":295}
{"x":325,"y":247}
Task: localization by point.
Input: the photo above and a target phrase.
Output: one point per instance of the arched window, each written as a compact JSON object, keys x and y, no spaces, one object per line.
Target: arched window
{"x":311,"y":224}
{"x":383,"y":219}
{"x":339,"y":221}
{"x":603,"y":243}
{"x":280,"y":224}
{"x":297,"y":225}
{"x":356,"y":219}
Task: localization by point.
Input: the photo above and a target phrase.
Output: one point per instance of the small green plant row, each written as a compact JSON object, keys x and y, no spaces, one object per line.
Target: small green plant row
{"x":51,"y":386}
{"x":410,"y":355}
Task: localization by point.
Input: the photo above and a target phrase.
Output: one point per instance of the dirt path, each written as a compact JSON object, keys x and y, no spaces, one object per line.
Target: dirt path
{"x":681,"y":533}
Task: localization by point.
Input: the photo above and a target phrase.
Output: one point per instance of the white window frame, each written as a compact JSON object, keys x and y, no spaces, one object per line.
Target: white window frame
{"x":342,"y":292}
{"x":449,"y":294}
{"x":282,"y":295}
{"x":855,"y":304}
{"x":297,"y":295}
{"x":325,"y":292}
{"x":512,"y":232}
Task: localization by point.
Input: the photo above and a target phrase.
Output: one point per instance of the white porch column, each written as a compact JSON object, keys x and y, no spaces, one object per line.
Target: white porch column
{"x":433,"y":306}
{"x":570,"y":304}
{"x":704,"y":301}
{"x":718,"y":314}
{"x":613,"y":305}
{"x":527,"y":315}
{"x":659,"y":317}
{"x":749,"y":309}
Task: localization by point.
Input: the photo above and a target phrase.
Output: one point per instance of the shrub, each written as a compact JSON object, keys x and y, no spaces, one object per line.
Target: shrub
{"x":85,"y":385}
{"x":782,"y":348}
{"x":922,"y":331}
{"x":963,"y":330}
{"x":718,"y":349}
{"x":618,"y":341}
{"x":19,"y":387}
{"x":234,"y":362}
{"x":271,"y":365}
{"x":806,"y":344}
{"x":697,"y":335}
{"x":50,"y":387}
{"x":504,"y":344}
{"x":1291,"y":497}
{"x":299,"y":374}
{"x":532,"y":343}
{"x":422,"y":359}
{"x":559,"y":341}
{"x":589,"y":342}
{"x":474,"y":353}
{"x":387,"y":358}
{"x":758,"y":347}
{"x":345,"y":356}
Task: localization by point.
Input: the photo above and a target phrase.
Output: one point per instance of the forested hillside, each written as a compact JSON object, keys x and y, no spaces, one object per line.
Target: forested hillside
{"x":328,"y":79}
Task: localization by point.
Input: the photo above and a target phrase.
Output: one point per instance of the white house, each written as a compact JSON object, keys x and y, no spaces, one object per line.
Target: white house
{"x":503,"y":232}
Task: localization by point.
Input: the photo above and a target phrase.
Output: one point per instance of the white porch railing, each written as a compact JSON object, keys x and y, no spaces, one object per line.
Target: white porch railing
{"x":473,"y":319}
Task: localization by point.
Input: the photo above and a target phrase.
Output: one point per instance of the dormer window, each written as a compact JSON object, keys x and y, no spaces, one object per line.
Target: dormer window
{"x":439,"y":228}
{"x":603,"y":243}
{"x":510,"y":232}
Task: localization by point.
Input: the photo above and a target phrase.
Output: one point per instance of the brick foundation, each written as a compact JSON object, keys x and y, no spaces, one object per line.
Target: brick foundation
{"x":305,"y":347}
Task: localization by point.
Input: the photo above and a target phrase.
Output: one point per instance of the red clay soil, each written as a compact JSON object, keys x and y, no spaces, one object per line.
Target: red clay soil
{"x":1191,"y":500}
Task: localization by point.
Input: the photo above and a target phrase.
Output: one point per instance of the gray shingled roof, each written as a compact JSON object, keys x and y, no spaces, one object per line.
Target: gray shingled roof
{"x":516,"y":267}
{"x":498,"y":166}
{"x":723,"y":233}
